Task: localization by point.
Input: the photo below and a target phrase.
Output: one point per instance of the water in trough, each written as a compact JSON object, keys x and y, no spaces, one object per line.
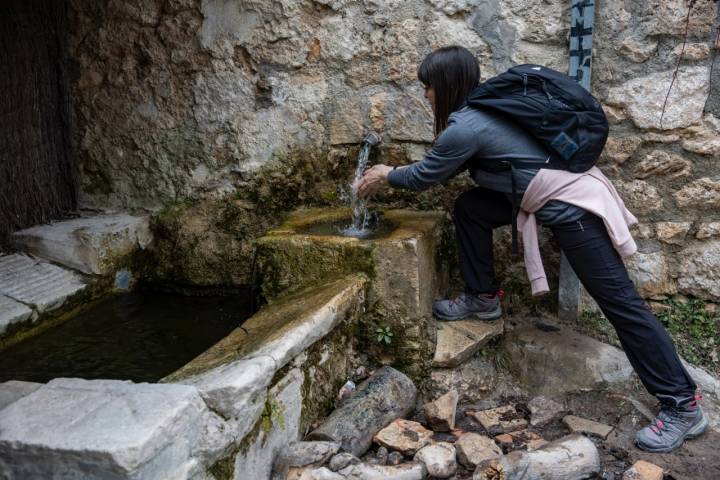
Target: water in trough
{"x":140,"y":336}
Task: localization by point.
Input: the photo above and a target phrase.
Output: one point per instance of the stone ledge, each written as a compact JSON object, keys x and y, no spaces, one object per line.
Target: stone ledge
{"x":89,"y":244}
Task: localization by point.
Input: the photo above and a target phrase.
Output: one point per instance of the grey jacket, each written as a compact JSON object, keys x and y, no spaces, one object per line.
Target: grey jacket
{"x":475,"y":137}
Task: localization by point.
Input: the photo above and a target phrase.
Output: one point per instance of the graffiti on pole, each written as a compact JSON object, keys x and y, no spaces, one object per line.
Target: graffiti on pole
{"x":581,"y":29}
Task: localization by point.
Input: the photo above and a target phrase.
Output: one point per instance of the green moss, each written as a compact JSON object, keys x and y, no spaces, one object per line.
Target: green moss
{"x":695,"y":330}
{"x":286,"y":267}
{"x":273,"y":413}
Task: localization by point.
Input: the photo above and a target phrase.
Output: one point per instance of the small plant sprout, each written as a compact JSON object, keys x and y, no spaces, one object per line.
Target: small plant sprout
{"x":384,"y":335}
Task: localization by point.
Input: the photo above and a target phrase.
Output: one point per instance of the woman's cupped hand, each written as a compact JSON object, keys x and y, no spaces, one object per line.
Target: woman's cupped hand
{"x":374,"y":180}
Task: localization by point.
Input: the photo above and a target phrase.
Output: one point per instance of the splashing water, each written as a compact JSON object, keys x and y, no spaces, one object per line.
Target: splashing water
{"x":360,"y":215}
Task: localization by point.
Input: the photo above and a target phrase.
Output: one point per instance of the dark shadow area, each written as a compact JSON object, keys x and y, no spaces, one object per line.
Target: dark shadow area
{"x":38,"y":179}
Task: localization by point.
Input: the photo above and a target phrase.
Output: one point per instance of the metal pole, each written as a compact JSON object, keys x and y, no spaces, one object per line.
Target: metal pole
{"x":582,"y":15}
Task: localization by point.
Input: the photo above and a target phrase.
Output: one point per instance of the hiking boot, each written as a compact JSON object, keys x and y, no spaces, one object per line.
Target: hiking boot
{"x":483,"y":306}
{"x":678,"y":420}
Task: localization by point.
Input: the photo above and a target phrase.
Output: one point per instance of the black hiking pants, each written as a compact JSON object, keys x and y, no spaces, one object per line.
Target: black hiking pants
{"x":591,"y":254}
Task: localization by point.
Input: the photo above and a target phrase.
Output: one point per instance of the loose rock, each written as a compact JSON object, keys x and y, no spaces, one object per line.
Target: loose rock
{"x":395,"y":458}
{"x":499,"y":420}
{"x":385,"y":396}
{"x":570,"y":458}
{"x":320,"y":473}
{"x":404,"y":436}
{"x":544,"y":410}
{"x":582,"y":425}
{"x":642,"y":470}
{"x":382,"y":456}
{"x":299,"y":454}
{"x":473,"y":449}
{"x":363,"y":471}
{"x":439,"y":459}
{"x":440,"y":414}
{"x":520,"y":439}
{"x":342,"y":460}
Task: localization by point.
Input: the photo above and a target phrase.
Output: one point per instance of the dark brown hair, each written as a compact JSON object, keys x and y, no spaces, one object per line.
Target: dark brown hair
{"x":452,"y":72}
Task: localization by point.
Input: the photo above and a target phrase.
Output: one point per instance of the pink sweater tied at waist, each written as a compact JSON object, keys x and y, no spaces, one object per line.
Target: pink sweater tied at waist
{"x":589,"y":190}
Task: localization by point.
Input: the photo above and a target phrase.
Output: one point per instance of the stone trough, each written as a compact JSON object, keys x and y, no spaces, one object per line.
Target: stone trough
{"x":228,"y":412}
{"x":405,"y":268}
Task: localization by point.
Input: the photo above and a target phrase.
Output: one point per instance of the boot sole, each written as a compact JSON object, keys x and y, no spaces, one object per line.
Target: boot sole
{"x":694,"y":432}
{"x":492,"y":315}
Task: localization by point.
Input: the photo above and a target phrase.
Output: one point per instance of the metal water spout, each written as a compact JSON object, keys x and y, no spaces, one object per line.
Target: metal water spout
{"x":371,"y":139}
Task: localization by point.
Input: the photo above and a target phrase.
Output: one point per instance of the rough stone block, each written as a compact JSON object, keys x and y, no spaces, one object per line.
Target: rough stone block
{"x":643,"y":97}
{"x":44,"y":286}
{"x":550,"y":363}
{"x":698,"y":270}
{"x":88,"y":244}
{"x":102,"y":429}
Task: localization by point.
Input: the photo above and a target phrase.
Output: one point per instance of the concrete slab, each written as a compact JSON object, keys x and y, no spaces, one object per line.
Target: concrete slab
{"x":89,"y":244}
{"x":36,"y":283}
{"x":14,"y":390}
{"x":12,"y":312}
{"x":73,"y":428}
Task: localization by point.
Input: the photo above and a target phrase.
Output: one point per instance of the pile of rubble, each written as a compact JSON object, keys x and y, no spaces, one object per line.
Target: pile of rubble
{"x":372,"y":435}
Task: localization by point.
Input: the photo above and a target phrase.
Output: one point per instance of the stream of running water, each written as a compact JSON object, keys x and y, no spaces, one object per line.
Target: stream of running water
{"x":360,"y":215}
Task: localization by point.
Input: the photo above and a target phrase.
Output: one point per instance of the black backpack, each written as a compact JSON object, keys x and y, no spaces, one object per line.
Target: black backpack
{"x":553,"y":108}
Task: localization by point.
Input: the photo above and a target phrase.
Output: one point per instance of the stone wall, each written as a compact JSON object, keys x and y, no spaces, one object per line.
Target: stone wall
{"x":230,"y":113}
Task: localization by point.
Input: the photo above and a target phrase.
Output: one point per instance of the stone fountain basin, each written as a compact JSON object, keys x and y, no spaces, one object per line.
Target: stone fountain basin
{"x":259,"y":387}
{"x":405,"y":264}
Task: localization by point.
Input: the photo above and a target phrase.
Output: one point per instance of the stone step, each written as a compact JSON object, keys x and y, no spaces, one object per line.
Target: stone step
{"x":458,"y":341}
{"x":29,"y":286}
{"x":89,"y":244}
{"x":12,"y":312}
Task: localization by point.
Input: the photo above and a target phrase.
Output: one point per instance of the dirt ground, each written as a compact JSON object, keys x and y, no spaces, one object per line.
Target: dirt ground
{"x":697,"y":459}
